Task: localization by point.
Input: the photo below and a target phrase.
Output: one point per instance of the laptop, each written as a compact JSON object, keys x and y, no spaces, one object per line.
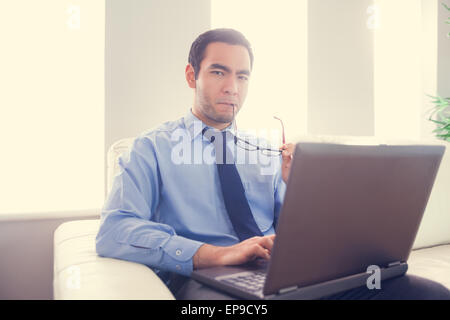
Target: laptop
{"x":346,"y":208}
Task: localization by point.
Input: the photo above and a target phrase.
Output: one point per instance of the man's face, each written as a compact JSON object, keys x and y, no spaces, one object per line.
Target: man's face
{"x":222,"y":83}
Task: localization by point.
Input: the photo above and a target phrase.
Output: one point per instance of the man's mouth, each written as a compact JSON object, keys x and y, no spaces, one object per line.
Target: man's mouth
{"x":228,"y":104}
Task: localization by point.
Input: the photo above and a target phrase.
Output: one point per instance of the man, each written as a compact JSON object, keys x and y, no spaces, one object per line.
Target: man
{"x":174,"y":209}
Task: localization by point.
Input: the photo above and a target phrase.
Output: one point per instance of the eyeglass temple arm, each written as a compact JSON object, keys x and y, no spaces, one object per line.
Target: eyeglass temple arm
{"x":282,"y":126}
{"x":254,"y":145}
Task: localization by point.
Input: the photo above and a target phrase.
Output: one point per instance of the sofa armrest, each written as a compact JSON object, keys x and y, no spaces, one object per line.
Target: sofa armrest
{"x":79,"y":273}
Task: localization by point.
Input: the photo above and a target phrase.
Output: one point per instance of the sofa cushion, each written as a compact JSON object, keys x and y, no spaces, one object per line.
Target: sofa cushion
{"x":431,"y":263}
{"x":79,"y":273}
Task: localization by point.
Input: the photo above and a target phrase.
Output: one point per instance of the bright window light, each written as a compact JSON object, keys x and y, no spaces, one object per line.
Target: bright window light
{"x":398,"y":73}
{"x":277,"y":31}
{"x":52,"y":105}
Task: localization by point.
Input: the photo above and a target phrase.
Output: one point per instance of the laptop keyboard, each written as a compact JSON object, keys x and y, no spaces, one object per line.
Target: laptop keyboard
{"x":252,"y":281}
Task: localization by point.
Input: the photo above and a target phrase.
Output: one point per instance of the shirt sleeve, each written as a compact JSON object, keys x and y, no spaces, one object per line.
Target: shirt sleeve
{"x":128,"y":229}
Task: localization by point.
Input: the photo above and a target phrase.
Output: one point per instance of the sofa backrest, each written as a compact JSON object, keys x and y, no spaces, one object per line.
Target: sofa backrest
{"x":435,"y":226}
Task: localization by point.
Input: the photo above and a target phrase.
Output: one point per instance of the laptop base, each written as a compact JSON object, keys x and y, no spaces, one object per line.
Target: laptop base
{"x":311,"y":292}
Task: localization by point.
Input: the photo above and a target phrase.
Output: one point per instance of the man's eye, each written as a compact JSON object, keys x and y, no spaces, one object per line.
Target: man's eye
{"x":243,"y":78}
{"x":219,"y":73}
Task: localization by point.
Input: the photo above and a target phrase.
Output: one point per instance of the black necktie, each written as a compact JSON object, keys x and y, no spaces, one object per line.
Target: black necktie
{"x":236,"y":203}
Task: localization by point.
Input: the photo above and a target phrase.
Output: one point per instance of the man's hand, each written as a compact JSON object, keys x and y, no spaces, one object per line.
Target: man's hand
{"x":287,"y":155}
{"x":247,"y":250}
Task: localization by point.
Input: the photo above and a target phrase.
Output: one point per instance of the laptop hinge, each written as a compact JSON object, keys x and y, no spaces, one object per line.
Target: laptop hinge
{"x":288,"y":289}
{"x":393,"y":264}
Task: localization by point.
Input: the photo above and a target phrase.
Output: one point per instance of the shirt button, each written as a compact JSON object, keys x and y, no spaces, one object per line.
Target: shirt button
{"x":178,"y":252}
{"x":178,"y":267}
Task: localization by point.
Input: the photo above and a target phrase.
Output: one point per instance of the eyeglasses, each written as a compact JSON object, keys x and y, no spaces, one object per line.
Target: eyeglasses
{"x":247,"y":145}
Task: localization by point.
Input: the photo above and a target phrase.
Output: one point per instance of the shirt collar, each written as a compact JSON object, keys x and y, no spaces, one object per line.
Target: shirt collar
{"x":195,"y":126}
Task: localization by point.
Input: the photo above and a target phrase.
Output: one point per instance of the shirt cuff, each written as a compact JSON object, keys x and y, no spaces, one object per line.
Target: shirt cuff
{"x":179,"y":252}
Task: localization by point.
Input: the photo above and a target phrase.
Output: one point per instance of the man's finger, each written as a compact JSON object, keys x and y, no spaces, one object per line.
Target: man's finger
{"x":266,"y":242}
{"x":287,"y":150}
{"x":257,"y":251}
{"x":286,"y":154}
{"x":263,"y":253}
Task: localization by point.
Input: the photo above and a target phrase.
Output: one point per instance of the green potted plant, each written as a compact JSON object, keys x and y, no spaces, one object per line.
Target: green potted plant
{"x":440,"y":113}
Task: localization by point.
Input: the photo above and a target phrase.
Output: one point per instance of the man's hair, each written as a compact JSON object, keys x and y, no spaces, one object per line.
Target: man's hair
{"x":229,"y":36}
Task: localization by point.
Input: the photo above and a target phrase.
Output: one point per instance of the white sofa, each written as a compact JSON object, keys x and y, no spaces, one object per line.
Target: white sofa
{"x":79,"y":273}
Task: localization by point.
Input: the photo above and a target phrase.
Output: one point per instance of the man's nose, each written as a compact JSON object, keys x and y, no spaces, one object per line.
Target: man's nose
{"x":230,"y":86}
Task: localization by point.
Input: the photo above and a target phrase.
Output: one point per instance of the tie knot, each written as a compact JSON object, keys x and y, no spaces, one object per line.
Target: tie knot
{"x":219,"y":139}
{"x":213,"y":134}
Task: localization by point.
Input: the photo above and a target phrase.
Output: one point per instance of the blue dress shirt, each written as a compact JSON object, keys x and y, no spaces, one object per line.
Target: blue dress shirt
{"x":166,"y":200}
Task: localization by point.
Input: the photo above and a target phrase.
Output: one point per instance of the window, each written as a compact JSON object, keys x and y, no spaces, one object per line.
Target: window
{"x":403,"y":64}
{"x":399,"y":80}
{"x":52,"y":105}
{"x":278,"y":86}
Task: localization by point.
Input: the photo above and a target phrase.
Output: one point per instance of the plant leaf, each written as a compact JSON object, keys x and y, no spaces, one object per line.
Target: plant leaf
{"x":438,"y":122}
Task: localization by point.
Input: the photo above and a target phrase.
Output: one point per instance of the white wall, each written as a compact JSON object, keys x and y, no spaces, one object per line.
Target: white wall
{"x":429,"y":59}
{"x":147,"y":47}
{"x":340,"y":68}
{"x":443,"y":67}
{"x":279,"y":84}
{"x":145,"y":72}
{"x":146,"y":52}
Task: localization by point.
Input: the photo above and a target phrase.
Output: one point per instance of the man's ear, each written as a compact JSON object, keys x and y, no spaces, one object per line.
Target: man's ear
{"x":190,"y":76}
